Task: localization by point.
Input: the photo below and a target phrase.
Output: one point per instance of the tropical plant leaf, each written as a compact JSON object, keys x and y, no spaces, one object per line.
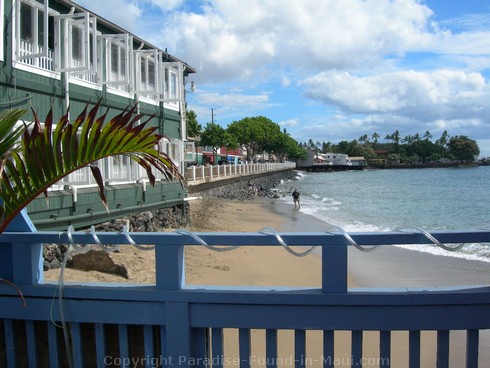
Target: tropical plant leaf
{"x":45,"y":155}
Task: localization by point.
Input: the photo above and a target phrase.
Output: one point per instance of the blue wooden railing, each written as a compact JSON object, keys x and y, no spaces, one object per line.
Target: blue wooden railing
{"x":171,"y":324}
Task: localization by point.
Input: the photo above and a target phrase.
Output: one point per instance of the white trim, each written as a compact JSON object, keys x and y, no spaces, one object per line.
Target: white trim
{"x":35,"y":70}
{"x":148,"y":100}
{"x":119,"y":92}
{"x":84,"y":83}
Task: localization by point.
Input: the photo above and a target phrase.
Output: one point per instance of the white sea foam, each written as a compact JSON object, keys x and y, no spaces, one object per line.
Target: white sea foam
{"x":433,"y":199}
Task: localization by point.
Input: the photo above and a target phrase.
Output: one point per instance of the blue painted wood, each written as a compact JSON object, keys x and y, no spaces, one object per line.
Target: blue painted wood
{"x":385,"y":349}
{"x":53,"y":345}
{"x":77,"y":348}
{"x":170,"y":270}
{"x":328,"y":348}
{"x":244,"y":347}
{"x":356,"y":348}
{"x":357,"y":317}
{"x":271,"y":348}
{"x":185,"y":314}
{"x":217,"y":347}
{"x":123,"y":345}
{"x":334,"y":269}
{"x":179,"y":333}
{"x":472,"y":342}
{"x":100,"y":345}
{"x":10,"y":347}
{"x":414,"y":349}
{"x":443,"y":349}
{"x":249,"y":239}
{"x":300,"y":348}
{"x":200,"y":347}
{"x":31,"y":344}
{"x":163,"y":346}
{"x":148,"y":343}
{"x":21,"y":262}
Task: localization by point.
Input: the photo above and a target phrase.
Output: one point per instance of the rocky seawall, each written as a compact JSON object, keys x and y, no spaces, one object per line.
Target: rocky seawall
{"x":249,"y":186}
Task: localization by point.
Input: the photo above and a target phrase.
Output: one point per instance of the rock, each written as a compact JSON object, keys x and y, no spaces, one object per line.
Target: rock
{"x":97,"y":260}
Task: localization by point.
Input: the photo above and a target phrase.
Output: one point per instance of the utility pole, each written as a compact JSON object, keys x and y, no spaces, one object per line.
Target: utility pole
{"x":212,"y":116}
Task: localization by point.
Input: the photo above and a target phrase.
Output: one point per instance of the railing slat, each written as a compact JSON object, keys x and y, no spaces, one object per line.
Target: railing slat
{"x":271,"y":348}
{"x":53,"y":345}
{"x":178,"y":332}
{"x":31,"y":344}
{"x":244,"y":347}
{"x":414,"y":349}
{"x":100,"y":345}
{"x":472,"y":342}
{"x":10,"y":345}
{"x":123,"y":345}
{"x":148,"y":343}
{"x":442,"y":349}
{"x":77,"y":349}
{"x":163,"y":346}
{"x":328,"y":348}
{"x":356,"y":348}
{"x":217,"y":347}
{"x":385,"y":349}
{"x":299,"y":348}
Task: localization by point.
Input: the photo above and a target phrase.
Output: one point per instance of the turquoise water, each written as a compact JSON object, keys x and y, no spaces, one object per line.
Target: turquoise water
{"x":384,"y":200}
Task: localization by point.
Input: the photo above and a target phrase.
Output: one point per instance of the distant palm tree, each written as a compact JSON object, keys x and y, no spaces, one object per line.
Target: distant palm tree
{"x":34,"y":158}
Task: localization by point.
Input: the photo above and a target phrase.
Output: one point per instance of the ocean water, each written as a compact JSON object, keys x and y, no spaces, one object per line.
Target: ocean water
{"x":385,"y":200}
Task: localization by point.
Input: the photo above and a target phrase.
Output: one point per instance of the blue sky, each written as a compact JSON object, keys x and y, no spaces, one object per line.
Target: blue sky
{"x":328,"y":70}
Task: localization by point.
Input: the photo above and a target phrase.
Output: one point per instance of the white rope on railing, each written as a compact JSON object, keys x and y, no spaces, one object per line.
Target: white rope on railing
{"x":202,"y":242}
{"x":433,"y":239}
{"x":271,"y":231}
{"x":339,"y":230}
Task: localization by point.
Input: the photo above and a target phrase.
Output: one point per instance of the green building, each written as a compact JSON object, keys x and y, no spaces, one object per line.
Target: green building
{"x":57,"y":54}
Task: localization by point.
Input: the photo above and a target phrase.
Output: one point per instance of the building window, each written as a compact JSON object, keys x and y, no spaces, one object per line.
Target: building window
{"x":171,"y":88}
{"x":146,"y":73}
{"x":116,"y":61}
{"x":75,"y":35}
{"x":34,"y":34}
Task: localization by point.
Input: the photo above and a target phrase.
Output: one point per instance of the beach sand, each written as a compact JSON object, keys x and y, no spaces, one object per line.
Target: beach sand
{"x":273,"y":266}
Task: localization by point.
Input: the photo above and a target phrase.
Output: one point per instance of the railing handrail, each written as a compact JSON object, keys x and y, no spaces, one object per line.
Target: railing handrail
{"x":169,"y":246}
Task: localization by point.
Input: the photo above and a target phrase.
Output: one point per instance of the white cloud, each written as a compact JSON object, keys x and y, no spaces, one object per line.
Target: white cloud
{"x":289,"y":123}
{"x":444,"y":94}
{"x":224,"y":41}
{"x":125,"y":13}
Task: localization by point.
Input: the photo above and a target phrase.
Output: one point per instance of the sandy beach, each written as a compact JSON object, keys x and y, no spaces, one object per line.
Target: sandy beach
{"x":274,"y":266}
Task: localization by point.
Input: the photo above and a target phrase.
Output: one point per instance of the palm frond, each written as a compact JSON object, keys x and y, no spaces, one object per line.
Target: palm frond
{"x":45,"y":155}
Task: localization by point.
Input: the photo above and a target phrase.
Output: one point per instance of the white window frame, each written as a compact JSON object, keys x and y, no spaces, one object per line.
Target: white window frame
{"x":124,"y":43}
{"x":64,"y":25}
{"x":29,"y":53}
{"x":147,"y":56}
{"x":43,"y":6}
{"x":172,"y":73}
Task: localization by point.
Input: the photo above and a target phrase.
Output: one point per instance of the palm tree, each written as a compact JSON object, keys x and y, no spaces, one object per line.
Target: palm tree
{"x":44,"y":155}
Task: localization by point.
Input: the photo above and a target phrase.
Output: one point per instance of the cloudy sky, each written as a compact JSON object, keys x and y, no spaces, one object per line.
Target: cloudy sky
{"x":328,"y":70}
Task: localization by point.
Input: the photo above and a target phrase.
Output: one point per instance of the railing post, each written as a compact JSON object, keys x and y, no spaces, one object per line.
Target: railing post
{"x":169,"y":265}
{"x":21,"y":263}
{"x":334,"y":268}
{"x":193,"y":172}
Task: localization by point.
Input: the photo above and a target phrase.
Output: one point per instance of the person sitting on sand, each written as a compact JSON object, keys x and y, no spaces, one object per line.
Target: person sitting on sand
{"x":296,"y":198}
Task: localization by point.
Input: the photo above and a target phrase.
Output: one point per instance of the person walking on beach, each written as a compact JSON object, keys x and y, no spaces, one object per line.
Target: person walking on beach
{"x":296,"y":198}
